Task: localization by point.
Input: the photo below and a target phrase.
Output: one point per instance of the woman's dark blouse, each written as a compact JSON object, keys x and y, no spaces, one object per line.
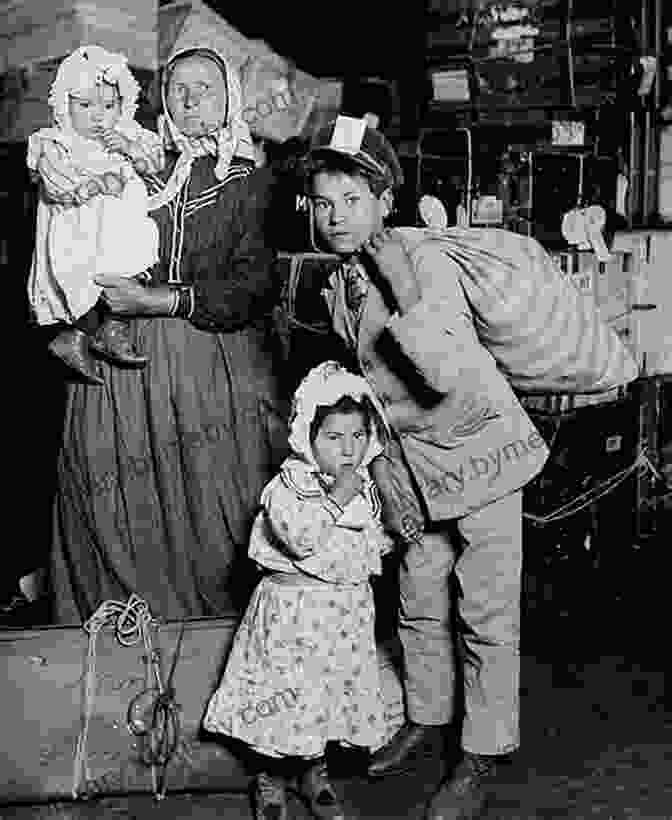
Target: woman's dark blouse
{"x":216,"y":233}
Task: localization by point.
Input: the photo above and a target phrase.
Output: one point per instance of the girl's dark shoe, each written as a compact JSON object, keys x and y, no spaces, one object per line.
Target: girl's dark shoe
{"x":113,"y":341}
{"x":270,"y":798}
{"x":318,"y":793}
{"x":72,"y":347}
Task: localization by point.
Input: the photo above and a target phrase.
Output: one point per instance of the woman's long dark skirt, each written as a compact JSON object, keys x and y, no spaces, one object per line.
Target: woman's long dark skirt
{"x":160,"y":473}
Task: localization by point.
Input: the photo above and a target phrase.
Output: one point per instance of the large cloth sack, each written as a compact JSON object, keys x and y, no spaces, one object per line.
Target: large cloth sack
{"x":545,"y":335}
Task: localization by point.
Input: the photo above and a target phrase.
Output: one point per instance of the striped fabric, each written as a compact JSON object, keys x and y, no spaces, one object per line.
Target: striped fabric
{"x":546,"y":335}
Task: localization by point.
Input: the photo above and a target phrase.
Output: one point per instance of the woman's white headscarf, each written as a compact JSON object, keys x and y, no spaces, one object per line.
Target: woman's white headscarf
{"x":233,"y":138}
{"x":325,"y":385}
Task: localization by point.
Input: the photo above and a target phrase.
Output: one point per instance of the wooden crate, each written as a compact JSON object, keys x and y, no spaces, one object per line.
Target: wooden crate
{"x":42,"y":673}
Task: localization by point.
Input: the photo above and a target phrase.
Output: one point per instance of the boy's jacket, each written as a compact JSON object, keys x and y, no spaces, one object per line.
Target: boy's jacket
{"x":463,"y":433}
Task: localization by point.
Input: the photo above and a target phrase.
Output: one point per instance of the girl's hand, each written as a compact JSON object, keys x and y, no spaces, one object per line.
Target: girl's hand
{"x":389,"y":254}
{"x":115,"y":141}
{"x":87,"y":190}
{"x":347,"y":485}
{"x":114,"y":184}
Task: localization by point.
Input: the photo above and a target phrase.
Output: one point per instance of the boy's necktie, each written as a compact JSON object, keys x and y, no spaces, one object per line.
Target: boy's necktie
{"x":356,"y":286}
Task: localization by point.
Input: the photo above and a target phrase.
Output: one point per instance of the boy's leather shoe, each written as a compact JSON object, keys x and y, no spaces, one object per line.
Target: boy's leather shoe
{"x":463,"y":795}
{"x":397,"y":755}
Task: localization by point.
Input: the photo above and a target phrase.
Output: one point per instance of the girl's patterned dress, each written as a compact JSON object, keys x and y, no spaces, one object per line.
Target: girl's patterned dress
{"x":303,"y":668}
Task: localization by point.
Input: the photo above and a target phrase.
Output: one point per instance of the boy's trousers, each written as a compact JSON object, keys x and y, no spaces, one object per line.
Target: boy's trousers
{"x":480,"y":576}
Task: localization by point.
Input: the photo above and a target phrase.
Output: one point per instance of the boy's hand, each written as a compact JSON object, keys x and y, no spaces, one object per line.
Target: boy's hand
{"x":347,"y":485}
{"x":401,"y":512}
{"x":388,"y":252}
{"x":115,"y":141}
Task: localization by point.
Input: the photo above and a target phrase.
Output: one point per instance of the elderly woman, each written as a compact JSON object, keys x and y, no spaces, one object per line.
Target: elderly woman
{"x":160,"y":471}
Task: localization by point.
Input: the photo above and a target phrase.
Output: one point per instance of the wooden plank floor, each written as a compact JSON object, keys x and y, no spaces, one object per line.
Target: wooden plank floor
{"x":597,"y":745}
{"x":596,"y":720}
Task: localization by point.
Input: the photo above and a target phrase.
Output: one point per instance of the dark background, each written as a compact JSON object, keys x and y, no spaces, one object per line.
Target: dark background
{"x":366,"y":37}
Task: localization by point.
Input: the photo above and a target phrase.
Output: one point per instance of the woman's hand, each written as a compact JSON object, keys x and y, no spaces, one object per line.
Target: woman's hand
{"x":388,"y":252}
{"x":127,"y":297}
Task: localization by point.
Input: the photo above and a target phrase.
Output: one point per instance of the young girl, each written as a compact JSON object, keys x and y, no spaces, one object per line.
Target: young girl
{"x":92,"y":211}
{"x":303,"y":668}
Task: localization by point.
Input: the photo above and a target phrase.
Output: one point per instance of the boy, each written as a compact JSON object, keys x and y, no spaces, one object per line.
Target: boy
{"x":452,"y":477}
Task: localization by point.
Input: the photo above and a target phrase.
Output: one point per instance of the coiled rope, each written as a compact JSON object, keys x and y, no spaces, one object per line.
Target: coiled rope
{"x":132,"y":623}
